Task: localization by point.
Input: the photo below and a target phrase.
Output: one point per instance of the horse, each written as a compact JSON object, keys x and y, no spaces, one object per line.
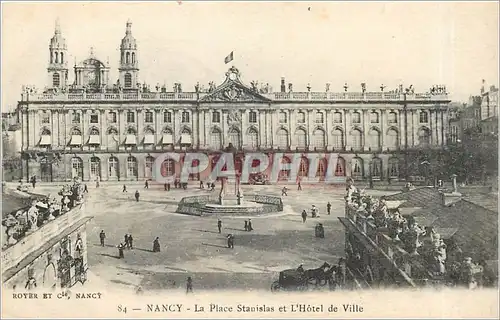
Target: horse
{"x":317,"y":274}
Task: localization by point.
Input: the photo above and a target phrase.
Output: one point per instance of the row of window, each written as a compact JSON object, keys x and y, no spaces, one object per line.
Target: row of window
{"x":252,"y":117}
{"x":169,"y":168}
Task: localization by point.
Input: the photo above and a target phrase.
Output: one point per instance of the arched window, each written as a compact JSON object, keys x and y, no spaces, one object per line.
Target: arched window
{"x":113,"y":168}
{"x":46,"y":132}
{"x":133,"y":57}
{"x":168,"y":168}
{"x":376,"y":168}
{"x":356,"y":139}
{"x":252,"y":117}
{"x":337,"y":117}
{"x":95,"y":168}
{"x":215,"y":139}
{"x":62,"y":57}
{"x":282,"y":139}
{"x":319,"y":117}
{"x":319,"y":139}
{"x":127,"y":57}
{"x":392,"y":117}
{"x":128,"y":80}
{"x":113,"y":140}
{"x":284,"y":173}
{"x":303,"y":167}
{"x":357,"y":168}
{"x":300,"y":135}
{"x":424,"y":137}
{"x":76,"y":168}
{"x":356,"y":117}
{"x":167,"y":117}
{"x":56,"y":80}
{"x":57,"y":57}
{"x":131,"y":167}
{"x":149,"y":137}
{"x":321,"y":168}
{"x":374,"y":117}
{"x":253,"y":138}
{"x":394,"y":167}
{"x":392,"y":139}
{"x":374,"y":139}
{"x":424,"y":117}
{"x":216,"y":117}
{"x":338,"y":139}
{"x":301,"y":117}
{"x":94,"y":131}
{"x":76,"y":132}
{"x":282,"y":117}
{"x":340,"y":167}
{"x":148,"y":172}
{"x":234,"y":138}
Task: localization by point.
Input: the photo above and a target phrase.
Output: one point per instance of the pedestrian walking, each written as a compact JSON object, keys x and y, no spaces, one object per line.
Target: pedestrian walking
{"x":299,"y":186}
{"x":146,"y":184}
{"x":246,"y":225}
{"x":137,"y":195}
{"x":165,"y":187}
{"x":283,"y":191}
{"x":126,"y":241}
{"x":130,"y":241}
{"x":202,"y":186}
{"x":304,"y":216}
{"x":230,"y":241}
{"x":97,"y":183}
{"x":212,"y":186}
{"x":120,"y":251}
{"x":85,"y":189}
{"x":219,"y":225}
{"x":33,"y":181}
{"x":102,"y":237}
{"x":189,"y":285}
{"x":124,"y":188}
{"x":168,"y":186}
{"x":328,"y":207}
{"x":156,"y":245}
{"x":250,"y":225}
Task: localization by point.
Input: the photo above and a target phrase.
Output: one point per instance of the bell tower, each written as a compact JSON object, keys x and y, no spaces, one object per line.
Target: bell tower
{"x":129,"y":67}
{"x":58,"y":60}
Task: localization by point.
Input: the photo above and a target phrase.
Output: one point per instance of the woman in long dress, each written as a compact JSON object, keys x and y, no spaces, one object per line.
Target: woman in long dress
{"x":156,"y":245}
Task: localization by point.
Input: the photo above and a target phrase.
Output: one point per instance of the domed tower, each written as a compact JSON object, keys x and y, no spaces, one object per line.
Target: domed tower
{"x":58,"y":60}
{"x":129,"y":67}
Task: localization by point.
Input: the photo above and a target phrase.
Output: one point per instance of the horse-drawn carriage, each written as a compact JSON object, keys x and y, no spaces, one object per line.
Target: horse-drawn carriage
{"x":259,"y":178}
{"x":301,"y":280}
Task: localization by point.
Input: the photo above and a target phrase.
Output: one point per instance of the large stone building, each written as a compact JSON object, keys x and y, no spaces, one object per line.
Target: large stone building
{"x":93,"y":128}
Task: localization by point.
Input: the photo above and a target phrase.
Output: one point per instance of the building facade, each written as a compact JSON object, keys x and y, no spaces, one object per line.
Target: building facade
{"x":489,"y":111}
{"x":95,"y":129}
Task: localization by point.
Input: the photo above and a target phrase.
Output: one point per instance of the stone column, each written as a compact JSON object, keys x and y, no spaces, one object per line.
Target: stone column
{"x":261,"y":120}
{"x":85,"y":127}
{"x":244,"y":128}
{"x":122,"y":117}
{"x":438,"y":127}
{"x":383,"y":130}
{"x":176,"y":124}
{"x":347,"y":129}
{"x":103,"y":120}
{"x":366,"y":143}
{"x":415,"y":127}
{"x":36,"y":131}
{"x":431,"y":127}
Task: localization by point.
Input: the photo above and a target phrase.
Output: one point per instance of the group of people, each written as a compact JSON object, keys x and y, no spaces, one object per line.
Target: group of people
{"x":137,"y":195}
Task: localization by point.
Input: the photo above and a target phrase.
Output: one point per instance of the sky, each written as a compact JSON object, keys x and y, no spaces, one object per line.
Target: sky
{"x":418,"y":43}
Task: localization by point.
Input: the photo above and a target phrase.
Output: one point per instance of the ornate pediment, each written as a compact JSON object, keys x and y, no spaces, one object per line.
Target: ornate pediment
{"x":232,"y":89}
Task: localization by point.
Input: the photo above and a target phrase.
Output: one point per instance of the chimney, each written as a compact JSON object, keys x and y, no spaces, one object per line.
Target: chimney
{"x":283,"y":86}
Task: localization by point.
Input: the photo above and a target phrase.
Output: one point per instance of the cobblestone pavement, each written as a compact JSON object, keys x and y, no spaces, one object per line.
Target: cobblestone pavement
{"x":191,"y":246}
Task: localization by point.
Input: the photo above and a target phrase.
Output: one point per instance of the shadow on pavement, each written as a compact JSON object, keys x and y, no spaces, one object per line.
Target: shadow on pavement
{"x":214,"y":245}
{"x":204,"y":231}
{"x":109,"y":255}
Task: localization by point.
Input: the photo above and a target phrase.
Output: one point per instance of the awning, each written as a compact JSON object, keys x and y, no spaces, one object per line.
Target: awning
{"x":185,"y":139}
{"x":149,"y":139}
{"x":131,"y":139}
{"x":46,"y":140}
{"x":167,"y":139}
{"x":94,"y":139}
{"x":76,"y":140}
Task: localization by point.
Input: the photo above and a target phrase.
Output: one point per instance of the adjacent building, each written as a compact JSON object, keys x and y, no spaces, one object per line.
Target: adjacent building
{"x":489,"y":111}
{"x":93,"y":127}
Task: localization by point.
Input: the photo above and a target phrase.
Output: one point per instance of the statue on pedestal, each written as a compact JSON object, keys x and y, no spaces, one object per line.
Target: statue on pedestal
{"x":222,"y":192}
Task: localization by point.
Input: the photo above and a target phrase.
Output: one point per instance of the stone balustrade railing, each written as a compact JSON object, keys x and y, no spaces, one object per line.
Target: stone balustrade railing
{"x":196,"y":96}
{"x":35,"y":240}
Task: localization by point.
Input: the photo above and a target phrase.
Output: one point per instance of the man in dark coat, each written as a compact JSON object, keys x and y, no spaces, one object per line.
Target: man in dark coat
{"x":230,"y":241}
{"x":130,"y":242}
{"x":189,"y":285}
{"x":120,"y":251}
{"x":156,"y":245}
{"x":126,"y":241}
{"x":124,"y":188}
{"x":137,"y":195}
{"x":165,"y":187}
{"x":304,"y":216}
{"x":250,"y":225}
{"x":246,"y":225}
{"x":219,"y":225}
{"x":146,"y":185}
{"x":102,"y":236}
{"x":328,"y":207}
{"x":283,"y":191}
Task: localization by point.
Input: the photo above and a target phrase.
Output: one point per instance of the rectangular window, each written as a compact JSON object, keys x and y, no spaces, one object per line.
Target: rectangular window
{"x":112,"y":117}
{"x":282,"y":117}
{"x":149,"y":117}
{"x":94,"y":118}
{"x":45,"y":117}
{"x":76,"y":118}
{"x":130,"y":117}
{"x":252,"y":117}
{"x":167,"y":117}
{"x":216,"y":117}
{"x":185,"y":117}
